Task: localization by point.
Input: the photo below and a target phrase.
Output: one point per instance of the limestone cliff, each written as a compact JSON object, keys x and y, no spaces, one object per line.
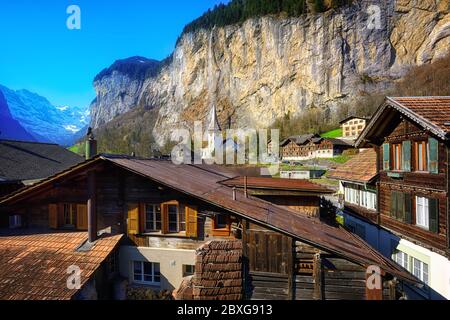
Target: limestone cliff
{"x":269,"y":66}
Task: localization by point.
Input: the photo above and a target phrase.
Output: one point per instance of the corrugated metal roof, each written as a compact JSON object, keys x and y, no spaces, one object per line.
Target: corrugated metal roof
{"x":278,"y":184}
{"x":361,"y":168}
{"x":204,"y":183}
{"x":34,"y":266}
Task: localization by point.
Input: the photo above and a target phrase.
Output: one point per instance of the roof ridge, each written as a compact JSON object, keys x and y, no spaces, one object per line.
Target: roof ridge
{"x":30,"y":142}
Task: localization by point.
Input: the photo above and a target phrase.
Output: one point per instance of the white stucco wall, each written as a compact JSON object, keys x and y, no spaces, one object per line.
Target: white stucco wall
{"x":386,"y":242}
{"x":171,"y":263}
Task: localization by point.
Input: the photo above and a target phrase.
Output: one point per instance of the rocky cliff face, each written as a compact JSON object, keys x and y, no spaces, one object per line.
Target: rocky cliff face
{"x":267,"y":67}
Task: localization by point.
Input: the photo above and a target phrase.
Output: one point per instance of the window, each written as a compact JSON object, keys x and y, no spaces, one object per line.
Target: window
{"x":70,"y":213}
{"x":176,"y":221}
{"x":221,"y":221}
{"x":188,"y":270}
{"x":146,"y":272}
{"x":420,"y":270}
{"x":397,"y":157}
{"x":221,"y":225}
{"x":401,"y":206}
{"x":152,"y":217}
{"x":421,"y":156}
{"x":422,"y":212}
{"x":401,"y":258}
{"x":15,"y":221}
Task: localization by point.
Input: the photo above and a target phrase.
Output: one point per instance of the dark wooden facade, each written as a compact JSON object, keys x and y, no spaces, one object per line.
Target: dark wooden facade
{"x":280,"y":268}
{"x":414,"y":183}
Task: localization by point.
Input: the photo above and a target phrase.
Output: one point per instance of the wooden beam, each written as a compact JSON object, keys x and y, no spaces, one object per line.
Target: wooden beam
{"x":318,"y":277}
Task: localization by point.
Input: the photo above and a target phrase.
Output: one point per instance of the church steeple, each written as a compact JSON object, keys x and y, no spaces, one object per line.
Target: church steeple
{"x":214,"y":122}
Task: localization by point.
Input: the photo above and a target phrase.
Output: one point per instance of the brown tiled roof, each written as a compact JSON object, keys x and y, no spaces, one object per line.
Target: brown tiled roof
{"x":436,"y":110}
{"x":431,"y":113}
{"x":34,"y":266}
{"x":204,"y":182}
{"x":361,"y":168}
{"x":278,"y":184}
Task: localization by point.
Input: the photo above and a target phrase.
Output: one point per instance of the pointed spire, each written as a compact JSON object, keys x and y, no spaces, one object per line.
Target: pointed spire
{"x":214,"y":122}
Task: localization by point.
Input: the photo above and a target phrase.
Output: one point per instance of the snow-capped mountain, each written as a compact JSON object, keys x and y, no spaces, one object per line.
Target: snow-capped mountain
{"x":44,"y":121}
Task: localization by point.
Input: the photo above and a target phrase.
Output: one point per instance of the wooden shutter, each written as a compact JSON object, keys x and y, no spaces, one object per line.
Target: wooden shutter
{"x":393,"y":204}
{"x":53,"y":216}
{"x":407,"y":208}
{"x":191,"y":221}
{"x":142,"y":217}
{"x":433,"y":206}
{"x":165,"y":218}
{"x":82,"y":217}
{"x":406,"y":159}
{"x":400,"y":206}
{"x":133,"y":218}
{"x":386,"y":157}
{"x":433,"y":155}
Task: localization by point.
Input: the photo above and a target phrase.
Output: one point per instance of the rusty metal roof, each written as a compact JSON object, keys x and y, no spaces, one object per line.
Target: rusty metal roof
{"x":204,"y":182}
{"x":278,"y":184}
{"x":34,"y":266}
{"x":362,"y":168}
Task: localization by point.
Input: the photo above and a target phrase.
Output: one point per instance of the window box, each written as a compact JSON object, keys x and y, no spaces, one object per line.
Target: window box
{"x":396,"y":174}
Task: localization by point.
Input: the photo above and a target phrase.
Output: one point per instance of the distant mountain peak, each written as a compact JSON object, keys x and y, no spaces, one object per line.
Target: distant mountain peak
{"x":136,"y":67}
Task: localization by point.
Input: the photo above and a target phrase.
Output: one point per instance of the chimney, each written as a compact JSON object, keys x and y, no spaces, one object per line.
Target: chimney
{"x":91,"y":145}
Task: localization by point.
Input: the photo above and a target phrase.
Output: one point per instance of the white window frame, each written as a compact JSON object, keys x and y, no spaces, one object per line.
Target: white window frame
{"x":401,"y":258}
{"x":142,"y":275}
{"x":423,"y":212}
{"x":420,"y":270}
{"x":154,"y":227}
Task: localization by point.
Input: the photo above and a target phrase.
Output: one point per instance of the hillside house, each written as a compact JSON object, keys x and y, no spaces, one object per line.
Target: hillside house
{"x":166,"y":212}
{"x":24,"y":163}
{"x":410,"y":138}
{"x":307,"y":147}
{"x":353,"y":126}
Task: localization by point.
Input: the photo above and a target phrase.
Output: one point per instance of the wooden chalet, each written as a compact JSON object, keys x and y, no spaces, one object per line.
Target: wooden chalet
{"x":410,"y":136}
{"x":176,"y":218}
{"x":307,"y":147}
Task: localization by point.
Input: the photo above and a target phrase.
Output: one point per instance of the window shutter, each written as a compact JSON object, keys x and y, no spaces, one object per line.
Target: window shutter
{"x":165,"y":218}
{"x":133,"y":219}
{"x":408,"y":208}
{"x":433,"y":155}
{"x":53,"y":216}
{"x":394,"y":204}
{"x":82,"y":217}
{"x":401,"y":206}
{"x":191,"y":221}
{"x":142,"y":217}
{"x":406,"y":159}
{"x":386,"y":157}
{"x":434,"y":214}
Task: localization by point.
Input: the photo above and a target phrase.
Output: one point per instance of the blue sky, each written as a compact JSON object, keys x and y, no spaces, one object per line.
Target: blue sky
{"x":39,"y":53}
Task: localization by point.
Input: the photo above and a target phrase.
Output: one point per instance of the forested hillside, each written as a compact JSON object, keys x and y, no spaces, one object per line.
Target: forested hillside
{"x":238,"y":11}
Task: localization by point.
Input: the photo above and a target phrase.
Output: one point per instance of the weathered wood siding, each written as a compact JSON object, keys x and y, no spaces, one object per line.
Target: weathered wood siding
{"x":423,"y":184}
